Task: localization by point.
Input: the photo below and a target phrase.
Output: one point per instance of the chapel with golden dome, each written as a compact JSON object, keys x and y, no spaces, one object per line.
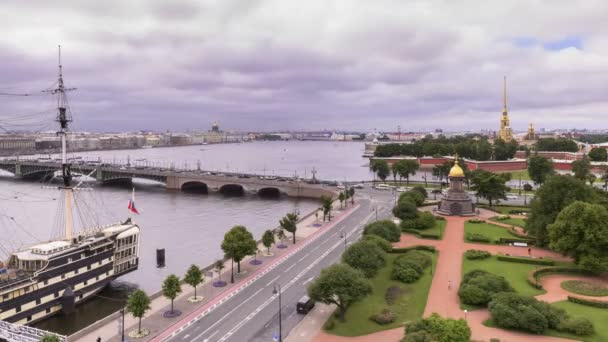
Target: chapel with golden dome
{"x":456,"y":201}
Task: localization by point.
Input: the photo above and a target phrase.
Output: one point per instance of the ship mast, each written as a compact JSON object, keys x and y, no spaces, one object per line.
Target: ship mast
{"x":64,"y":118}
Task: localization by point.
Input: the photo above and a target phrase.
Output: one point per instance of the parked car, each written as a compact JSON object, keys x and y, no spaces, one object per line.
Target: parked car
{"x":305,"y":304}
{"x":512,"y":197}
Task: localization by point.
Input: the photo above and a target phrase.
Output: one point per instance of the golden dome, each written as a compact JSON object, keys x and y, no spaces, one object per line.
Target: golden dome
{"x":456,"y":170}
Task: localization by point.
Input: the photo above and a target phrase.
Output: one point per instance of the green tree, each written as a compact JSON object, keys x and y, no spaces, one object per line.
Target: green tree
{"x":194,"y":277}
{"x":489,"y":185}
{"x":560,"y":145}
{"x":290,"y":223}
{"x":341,"y":198}
{"x":380,"y":242}
{"x":504,"y":150}
{"x":598,"y":154}
{"x":365,"y":256}
{"x":405,"y":208}
{"x":137,"y":304}
{"x":581,"y":169}
{"x":171,"y":288}
{"x":580,"y":231}
{"x":50,"y":338}
{"x":326,"y":204}
{"x":268,"y":239}
{"x":442,"y":171}
{"x":341,"y":285}
{"x":539,"y":169}
{"x":238,"y":243}
{"x":408,"y":169}
{"x":553,"y":196}
{"x":437,"y":328}
{"x":385,"y":229}
{"x":382,"y":169}
{"x":351,"y":194}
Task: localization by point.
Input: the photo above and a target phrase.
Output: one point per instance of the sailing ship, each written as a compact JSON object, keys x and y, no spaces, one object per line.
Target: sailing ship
{"x":52,"y":277}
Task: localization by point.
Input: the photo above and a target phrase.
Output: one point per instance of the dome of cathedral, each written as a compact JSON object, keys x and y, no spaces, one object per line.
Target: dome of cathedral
{"x":456,"y":170}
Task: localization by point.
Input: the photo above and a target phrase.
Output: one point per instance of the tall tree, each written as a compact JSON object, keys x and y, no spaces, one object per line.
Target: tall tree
{"x":581,"y":168}
{"x":326,"y":204}
{"x":504,"y":150}
{"x":137,"y":304}
{"x":351,"y":194}
{"x":442,"y":171}
{"x":341,"y":285}
{"x":341,"y":198}
{"x":408,"y":169}
{"x":219,"y":266}
{"x":268,"y":239}
{"x":539,"y":169}
{"x":382,"y":169}
{"x":489,"y":185}
{"x":194,"y":277}
{"x":553,"y":196}
{"x":365,"y":256}
{"x":580,"y":231}
{"x":171,"y":288}
{"x":290,"y":223}
{"x":238,"y":243}
{"x":598,"y":154}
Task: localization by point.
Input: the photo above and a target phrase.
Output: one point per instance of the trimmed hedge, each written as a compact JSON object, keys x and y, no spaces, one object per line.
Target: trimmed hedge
{"x":512,"y":240}
{"x":474,"y":254}
{"x":478,"y":238}
{"x":589,"y":302}
{"x":534,"y":274}
{"x":543,"y":262}
{"x":410,"y":266}
{"x":421,"y":234}
{"x":385,"y":316}
{"x":413,"y":248}
{"x":476,"y":220}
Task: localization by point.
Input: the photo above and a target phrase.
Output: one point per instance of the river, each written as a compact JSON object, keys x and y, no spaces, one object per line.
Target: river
{"x":189,"y":226}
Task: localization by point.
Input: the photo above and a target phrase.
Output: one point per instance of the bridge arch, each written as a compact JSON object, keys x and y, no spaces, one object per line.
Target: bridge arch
{"x":269,"y":192}
{"x":232,"y":190}
{"x":119,"y":181}
{"x":195,"y":187}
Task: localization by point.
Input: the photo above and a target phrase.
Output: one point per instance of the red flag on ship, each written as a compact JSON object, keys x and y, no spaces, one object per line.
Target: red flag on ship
{"x":131,"y":206}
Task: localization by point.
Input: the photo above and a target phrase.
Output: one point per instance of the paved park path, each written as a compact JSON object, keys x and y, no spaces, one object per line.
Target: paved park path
{"x":443,"y":296}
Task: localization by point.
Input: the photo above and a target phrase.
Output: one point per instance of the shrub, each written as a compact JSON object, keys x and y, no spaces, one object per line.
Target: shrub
{"x":502,"y":217}
{"x":329,"y":325}
{"x":439,"y":218}
{"x":405,"y":209}
{"x":474,"y":254}
{"x":417,"y":248}
{"x":577,"y":326}
{"x":385,"y":229}
{"x":393,"y":294}
{"x":477,"y":220}
{"x":386,"y":316}
{"x":421,"y":234}
{"x":425,"y":220}
{"x":409,"y":267}
{"x":589,"y":302}
{"x":380,"y":242}
{"x":519,"y":211}
{"x":420,"y":189}
{"x":478,"y":238}
{"x":503,"y":240}
{"x":437,"y":328}
{"x":365,"y":256}
{"x":524,"y":260}
{"x":414,"y":196}
{"x":478,"y":287}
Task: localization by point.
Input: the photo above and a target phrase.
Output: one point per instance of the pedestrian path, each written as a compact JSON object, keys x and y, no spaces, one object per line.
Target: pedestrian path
{"x":161,"y":326}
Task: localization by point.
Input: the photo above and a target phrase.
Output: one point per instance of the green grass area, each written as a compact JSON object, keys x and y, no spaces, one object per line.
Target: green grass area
{"x":515,"y":273}
{"x":519,"y":222}
{"x":437,"y":230}
{"x":409,"y":307}
{"x":597,"y":316}
{"x":520,"y":174}
{"x":487,"y":229}
{"x":585,"y":288}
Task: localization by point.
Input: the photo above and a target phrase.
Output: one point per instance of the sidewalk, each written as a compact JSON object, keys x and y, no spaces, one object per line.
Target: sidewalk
{"x":157,"y":324}
{"x":311,"y":324}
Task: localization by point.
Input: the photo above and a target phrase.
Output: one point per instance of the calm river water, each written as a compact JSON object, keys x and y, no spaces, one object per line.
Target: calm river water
{"x":189,"y":226}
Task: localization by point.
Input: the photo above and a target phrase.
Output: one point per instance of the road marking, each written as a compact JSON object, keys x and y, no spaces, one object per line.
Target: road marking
{"x":186,"y":336}
{"x":304,"y":257}
{"x":226,"y":315}
{"x":308,"y":280}
{"x":210,"y":336}
{"x":289,"y":268}
{"x":272,"y":281}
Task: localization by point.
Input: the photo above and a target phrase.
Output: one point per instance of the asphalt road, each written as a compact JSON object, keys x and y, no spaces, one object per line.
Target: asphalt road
{"x":252,"y":314}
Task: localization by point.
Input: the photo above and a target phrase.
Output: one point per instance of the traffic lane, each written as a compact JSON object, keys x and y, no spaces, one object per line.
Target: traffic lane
{"x":226,"y":313}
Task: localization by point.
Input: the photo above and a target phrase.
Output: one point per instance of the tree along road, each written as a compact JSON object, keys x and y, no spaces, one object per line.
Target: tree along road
{"x":252,"y":314}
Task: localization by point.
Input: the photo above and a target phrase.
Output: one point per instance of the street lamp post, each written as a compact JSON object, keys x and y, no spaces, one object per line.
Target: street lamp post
{"x":343,"y":236}
{"x":122,"y":332}
{"x":232,"y":271}
{"x":277,"y":290}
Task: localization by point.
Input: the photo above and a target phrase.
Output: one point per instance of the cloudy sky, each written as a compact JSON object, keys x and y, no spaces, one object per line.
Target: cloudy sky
{"x":315,"y":64}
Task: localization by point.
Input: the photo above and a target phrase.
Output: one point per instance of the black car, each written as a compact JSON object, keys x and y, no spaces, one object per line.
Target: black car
{"x":305,"y":304}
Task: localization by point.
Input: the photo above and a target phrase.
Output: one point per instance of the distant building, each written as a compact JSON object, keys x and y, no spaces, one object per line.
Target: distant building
{"x":505,"y":133}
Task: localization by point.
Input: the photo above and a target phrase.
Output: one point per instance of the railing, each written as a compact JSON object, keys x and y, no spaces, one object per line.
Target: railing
{"x":21,"y":333}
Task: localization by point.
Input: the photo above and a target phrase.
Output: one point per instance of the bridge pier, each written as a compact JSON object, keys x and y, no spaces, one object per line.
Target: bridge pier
{"x":18,"y":173}
{"x":99,"y":175}
{"x":173,"y":183}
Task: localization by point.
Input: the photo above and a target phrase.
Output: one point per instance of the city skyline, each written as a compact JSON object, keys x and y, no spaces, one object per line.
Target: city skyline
{"x":273,"y":66}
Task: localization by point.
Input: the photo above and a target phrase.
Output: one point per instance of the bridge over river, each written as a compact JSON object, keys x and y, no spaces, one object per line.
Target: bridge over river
{"x":175,"y":179}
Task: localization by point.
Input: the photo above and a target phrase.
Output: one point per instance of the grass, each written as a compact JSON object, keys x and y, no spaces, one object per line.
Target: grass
{"x":409,"y":307}
{"x":438,"y":229}
{"x":585,"y":288}
{"x":597,"y":316}
{"x":515,"y":175}
{"x":504,"y":209}
{"x":515,"y":273}
{"x":519,"y":222}
{"x":487,"y":229}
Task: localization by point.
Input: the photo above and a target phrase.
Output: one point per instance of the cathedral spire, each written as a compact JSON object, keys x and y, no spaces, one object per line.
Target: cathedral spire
{"x":504,"y":97}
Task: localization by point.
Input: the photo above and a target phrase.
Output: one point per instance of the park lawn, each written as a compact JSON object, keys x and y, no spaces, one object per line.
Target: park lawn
{"x":597,"y":316}
{"x":515,"y":273}
{"x":504,"y":209}
{"x":519,"y":222}
{"x":438,"y":229}
{"x":409,"y":307}
{"x":492,"y":231}
{"x":520,"y":174}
